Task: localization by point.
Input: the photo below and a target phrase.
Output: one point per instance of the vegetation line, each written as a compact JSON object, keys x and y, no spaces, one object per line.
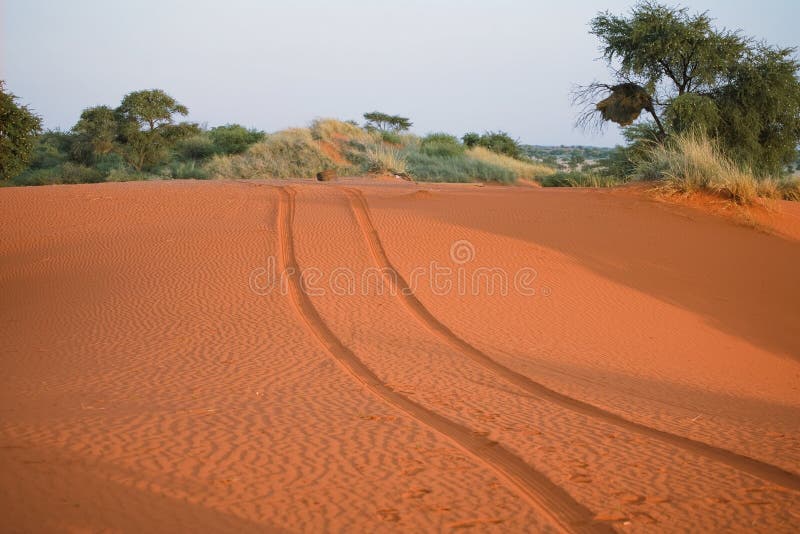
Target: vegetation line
{"x":537,"y":489}
{"x":748,"y":465}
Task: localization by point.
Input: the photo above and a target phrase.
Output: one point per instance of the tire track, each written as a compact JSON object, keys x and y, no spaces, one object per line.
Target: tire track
{"x":746,"y":464}
{"x":548,"y":498}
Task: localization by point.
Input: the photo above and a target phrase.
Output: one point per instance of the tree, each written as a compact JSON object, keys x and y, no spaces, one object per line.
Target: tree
{"x":383,"y":122}
{"x":18,"y":129}
{"x":686,"y":74}
{"x":95,"y":132}
{"x":147,"y":129}
{"x":471,"y":139}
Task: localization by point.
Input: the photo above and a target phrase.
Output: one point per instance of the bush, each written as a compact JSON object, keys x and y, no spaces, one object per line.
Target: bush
{"x":502,"y":143}
{"x":291,"y":153}
{"x":197,"y":147}
{"x":391,"y":137}
{"x":47,"y":176}
{"x":233,"y":138}
{"x":442,"y":145}
{"x":332,"y":130}
{"x":73,"y":173}
{"x":187,"y":169}
{"x":455,"y":169}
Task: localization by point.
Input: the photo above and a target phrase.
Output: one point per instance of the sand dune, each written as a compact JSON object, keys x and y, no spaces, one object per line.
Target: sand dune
{"x":155,"y":376}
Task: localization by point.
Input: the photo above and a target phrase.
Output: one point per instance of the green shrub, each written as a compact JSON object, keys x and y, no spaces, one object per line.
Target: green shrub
{"x":74,"y":173}
{"x":233,"y":138}
{"x":391,"y":137}
{"x":442,"y":145}
{"x":187,"y":170}
{"x":51,"y":175}
{"x":425,"y":167}
{"x":197,"y":147}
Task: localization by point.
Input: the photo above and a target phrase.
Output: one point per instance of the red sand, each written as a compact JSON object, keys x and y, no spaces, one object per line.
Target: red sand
{"x":651,"y":382}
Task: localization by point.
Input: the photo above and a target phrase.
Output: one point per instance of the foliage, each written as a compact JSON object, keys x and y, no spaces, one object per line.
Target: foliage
{"x":96,"y":131}
{"x":691,"y":162}
{"x":18,"y":128}
{"x":471,"y":139}
{"x":386,"y":122}
{"x":691,"y":76}
{"x":146,"y":125}
{"x":441,"y":144}
{"x":288,"y":154}
{"x":233,"y":138}
{"x":430,"y":168}
{"x":197,"y":147}
{"x":499,"y":142}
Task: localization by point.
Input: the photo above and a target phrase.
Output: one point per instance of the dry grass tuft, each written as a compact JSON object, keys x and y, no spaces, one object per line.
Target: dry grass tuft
{"x":692,"y":163}
{"x":522,"y":169}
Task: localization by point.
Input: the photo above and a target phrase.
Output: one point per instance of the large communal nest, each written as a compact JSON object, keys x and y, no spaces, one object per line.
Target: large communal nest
{"x":625,"y":103}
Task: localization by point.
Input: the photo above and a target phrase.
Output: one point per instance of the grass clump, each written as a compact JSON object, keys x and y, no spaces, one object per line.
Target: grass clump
{"x":426,"y":167}
{"x":526,"y":170}
{"x":442,"y":145}
{"x":290,"y":153}
{"x":579,"y":179}
{"x":382,"y":158}
{"x":692,"y":163}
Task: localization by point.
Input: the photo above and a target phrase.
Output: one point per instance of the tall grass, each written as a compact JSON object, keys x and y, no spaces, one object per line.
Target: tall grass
{"x":429,"y":168}
{"x":291,"y":153}
{"x":692,"y":163}
{"x":522,"y":169}
{"x":579,"y":179}
{"x":385,"y":158}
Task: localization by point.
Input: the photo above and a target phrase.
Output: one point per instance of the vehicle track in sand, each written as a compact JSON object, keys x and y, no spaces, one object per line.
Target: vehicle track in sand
{"x":548,"y":498}
{"x":750,"y":466}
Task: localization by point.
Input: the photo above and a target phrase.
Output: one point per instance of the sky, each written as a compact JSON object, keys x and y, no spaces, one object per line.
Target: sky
{"x":453,"y":66}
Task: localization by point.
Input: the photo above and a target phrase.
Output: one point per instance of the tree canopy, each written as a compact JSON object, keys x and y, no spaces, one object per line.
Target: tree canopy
{"x":18,"y":129}
{"x":387,"y":123}
{"x":686,"y":74}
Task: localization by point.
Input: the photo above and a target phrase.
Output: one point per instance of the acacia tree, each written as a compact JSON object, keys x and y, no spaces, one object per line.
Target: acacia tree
{"x":95,"y":133}
{"x":18,"y":129}
{"x":686,"y":74}
{"x":384,"y":122}
{"x":147,"y":126}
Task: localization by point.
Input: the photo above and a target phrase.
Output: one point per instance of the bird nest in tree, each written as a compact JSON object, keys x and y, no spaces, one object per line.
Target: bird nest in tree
{"x":624,"y":104}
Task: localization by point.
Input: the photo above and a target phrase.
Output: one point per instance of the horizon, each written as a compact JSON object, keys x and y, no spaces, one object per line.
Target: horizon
{"x":317,"y":60}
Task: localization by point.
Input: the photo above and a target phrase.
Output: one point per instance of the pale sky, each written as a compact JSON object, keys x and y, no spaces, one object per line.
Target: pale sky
{"x":453,"y":66}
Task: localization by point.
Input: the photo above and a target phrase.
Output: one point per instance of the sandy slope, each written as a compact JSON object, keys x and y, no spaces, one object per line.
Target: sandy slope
{"x":151,"y":380}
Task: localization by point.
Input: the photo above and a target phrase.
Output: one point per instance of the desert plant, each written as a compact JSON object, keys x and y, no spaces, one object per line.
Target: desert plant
{"x":290,"y":153}
{"x":385,"y":122}
{"x":18,"y":129}
{"x":382,"y":158}
{"x":461,"y":168}
{"x":441,"y":144}
{"x":196,"y":148}
{"x":689,"y":76}
{"x":691,"y":163}
{"x":527,"y":170}
{"x":579,"y":179}
{"x":233,"y":138}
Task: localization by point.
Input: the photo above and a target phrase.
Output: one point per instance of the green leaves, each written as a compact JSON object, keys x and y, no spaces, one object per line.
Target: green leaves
{"x":18,"y":129}
{"x":697,"y":78}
